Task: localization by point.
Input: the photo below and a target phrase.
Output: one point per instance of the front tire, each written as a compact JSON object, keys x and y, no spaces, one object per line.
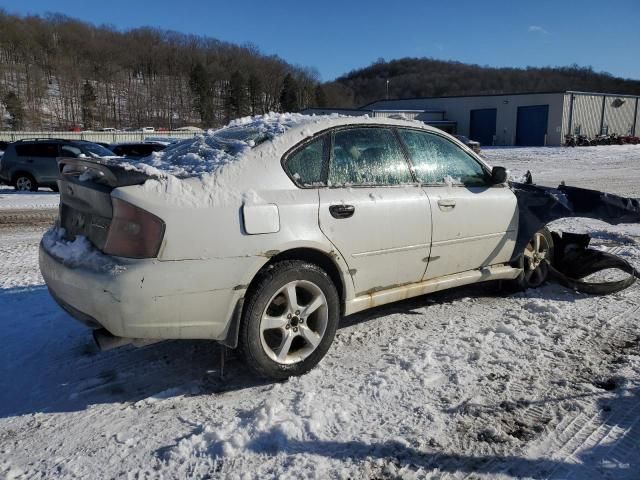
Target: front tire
{"x":534,"y":261}
{"x":289,"y":320}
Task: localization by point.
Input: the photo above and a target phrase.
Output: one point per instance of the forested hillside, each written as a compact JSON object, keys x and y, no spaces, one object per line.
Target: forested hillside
{"x":60,"y":73}
{"x":424,"y":77}
{"x":57,"y":72}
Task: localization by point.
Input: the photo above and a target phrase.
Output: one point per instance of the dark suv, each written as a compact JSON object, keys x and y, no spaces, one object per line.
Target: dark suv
{"x":30,"y":164}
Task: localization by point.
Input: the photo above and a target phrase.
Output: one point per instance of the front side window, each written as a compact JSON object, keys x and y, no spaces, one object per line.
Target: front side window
{"x":70,"y":151}
{"x":95,"y":150}
{"x":367,"y":156}
{"x":438,"y":161}
{"x":305,"y":164}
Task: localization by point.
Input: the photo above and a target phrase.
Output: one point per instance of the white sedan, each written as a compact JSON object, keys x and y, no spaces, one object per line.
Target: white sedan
{"x":261,"y":235}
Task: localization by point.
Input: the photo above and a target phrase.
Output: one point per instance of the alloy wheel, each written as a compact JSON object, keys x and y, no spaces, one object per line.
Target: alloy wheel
{"x":294,"y":322}
{"x":536,"y":255}
{"x":24,"y":184}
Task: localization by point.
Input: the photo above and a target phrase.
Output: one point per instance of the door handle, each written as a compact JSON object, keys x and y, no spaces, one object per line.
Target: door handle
{"x":342,"y":211}
{"x":447,"y":203}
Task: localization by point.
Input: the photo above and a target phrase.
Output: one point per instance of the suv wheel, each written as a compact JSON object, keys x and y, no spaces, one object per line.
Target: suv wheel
{"x":533,"y":261}
{"x":25,"y":183}
{"x":289,"y":320}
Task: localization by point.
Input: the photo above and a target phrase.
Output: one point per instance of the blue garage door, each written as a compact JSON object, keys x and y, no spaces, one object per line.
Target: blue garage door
{"x":531,"y":128}
{"x":482,"y":125}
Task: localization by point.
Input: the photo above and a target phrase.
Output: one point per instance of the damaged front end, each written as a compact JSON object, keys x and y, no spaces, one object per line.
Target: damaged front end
{"x":573,"y":260}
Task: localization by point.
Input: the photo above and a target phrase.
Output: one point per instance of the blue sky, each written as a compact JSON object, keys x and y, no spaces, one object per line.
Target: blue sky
{"x":338,"y":36}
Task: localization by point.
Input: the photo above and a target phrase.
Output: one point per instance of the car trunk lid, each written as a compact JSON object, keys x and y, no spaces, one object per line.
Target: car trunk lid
{"x":85,"y":195}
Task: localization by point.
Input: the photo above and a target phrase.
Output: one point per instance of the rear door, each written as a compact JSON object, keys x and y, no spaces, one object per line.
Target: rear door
{"x":474,"y":224}
{"x":373,"y":211}
{"x":40,"y":159}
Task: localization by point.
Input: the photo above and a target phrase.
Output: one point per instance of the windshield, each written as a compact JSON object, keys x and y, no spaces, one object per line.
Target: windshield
{"x":95,"y":150}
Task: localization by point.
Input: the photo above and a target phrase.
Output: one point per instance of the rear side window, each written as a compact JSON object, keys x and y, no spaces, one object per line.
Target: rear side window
{"x":305,"y":164}
{"x":367,"y":156}
{"x":437,"y":160}
{"x":38,"y":150}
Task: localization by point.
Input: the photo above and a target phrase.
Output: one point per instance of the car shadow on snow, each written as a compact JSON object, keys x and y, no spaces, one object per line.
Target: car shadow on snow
{"x":51,"y":364}
{"x":477,"y":292}
{"x":612,"y":459}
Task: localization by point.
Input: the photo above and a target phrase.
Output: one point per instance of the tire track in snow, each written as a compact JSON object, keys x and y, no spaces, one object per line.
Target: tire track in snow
{"x":27,"y":217}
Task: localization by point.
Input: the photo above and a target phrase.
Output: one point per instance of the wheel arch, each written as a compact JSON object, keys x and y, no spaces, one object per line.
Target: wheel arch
{"x":324,"y":260}
{"x":15,"y":174}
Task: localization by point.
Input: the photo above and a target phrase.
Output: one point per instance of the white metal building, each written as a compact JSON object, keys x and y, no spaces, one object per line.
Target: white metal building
{"x":524,"y":119}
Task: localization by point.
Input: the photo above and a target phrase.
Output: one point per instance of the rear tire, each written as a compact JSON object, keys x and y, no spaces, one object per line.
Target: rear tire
{"x":23,"y":182}
{"x":533,"y":261}
{"x":289,"y":319}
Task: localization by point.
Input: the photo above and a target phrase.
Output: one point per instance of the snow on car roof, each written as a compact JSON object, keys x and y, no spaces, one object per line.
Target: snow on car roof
{"x":206,"y":153}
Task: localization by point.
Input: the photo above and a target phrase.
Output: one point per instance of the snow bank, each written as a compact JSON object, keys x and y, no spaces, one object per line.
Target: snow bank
{"x":78,"y":253}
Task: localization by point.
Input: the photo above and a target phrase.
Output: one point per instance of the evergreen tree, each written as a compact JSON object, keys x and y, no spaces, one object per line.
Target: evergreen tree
{"x":320,"y":97}
{"x":15,"y":109}
{"x":202,"y":90}
{"x":88,"y":101}
{"x":236,"y":98}
{"x":289,"y":94}
{"x":255,"y":94}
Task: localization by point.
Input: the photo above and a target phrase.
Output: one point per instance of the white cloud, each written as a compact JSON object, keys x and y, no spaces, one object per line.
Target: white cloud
{"x":538,"y":29}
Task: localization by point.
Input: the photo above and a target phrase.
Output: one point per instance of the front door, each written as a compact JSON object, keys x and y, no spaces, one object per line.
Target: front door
{"x":474,"y":223}
{"x":373,"y":212}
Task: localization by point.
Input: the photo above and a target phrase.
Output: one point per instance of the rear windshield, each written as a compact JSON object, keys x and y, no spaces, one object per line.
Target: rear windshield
{"x":251,"y":136}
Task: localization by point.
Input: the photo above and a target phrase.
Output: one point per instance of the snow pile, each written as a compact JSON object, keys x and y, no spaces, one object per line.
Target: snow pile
{"x":78,"y":253}
{"x":207,"y":153}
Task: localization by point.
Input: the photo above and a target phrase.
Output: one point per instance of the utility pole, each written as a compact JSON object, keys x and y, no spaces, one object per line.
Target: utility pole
{"x":387,"y":89}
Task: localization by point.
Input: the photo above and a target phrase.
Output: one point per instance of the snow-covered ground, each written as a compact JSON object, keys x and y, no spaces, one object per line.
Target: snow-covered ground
{"x":467,"y":383}
{"x":616,"y":167}
{"x":10,"y":199}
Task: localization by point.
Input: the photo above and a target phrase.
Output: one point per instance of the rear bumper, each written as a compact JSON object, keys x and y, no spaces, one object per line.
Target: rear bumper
{"x":147,"y":299}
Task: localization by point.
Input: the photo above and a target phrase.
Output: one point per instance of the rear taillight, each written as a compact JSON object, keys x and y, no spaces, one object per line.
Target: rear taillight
{"x":134,"y":232}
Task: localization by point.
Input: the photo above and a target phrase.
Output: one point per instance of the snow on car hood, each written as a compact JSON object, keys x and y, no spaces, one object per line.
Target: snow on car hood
{"x":206,"y":153}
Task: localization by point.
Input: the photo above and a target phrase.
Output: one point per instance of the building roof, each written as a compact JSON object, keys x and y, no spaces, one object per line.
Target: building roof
{"x":562,"y":92}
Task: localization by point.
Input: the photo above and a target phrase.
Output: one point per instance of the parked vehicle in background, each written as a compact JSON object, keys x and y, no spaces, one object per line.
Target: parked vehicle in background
{"x":136,"y":150}
{"x":31,"y":164}
{"x":633,"y":140}
{"x":3,"y":147}
{"x":108,"y":129}
{"x":269,"y":254}
{"x":165,"y":140}
{"x":472,"y":144}
{"x":147,"y":129}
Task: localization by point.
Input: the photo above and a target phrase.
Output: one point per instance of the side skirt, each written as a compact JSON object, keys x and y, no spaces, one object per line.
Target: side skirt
{"x":394,"y":294}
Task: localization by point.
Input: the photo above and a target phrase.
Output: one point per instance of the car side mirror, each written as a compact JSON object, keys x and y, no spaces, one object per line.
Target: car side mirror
{"x":498,"y":175}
